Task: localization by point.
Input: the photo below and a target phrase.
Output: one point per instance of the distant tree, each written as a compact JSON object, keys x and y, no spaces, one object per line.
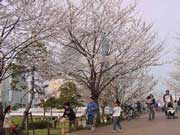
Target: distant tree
{"x":69,"y":93}
{"x":174,"y":81}
{"x":50,"y":103}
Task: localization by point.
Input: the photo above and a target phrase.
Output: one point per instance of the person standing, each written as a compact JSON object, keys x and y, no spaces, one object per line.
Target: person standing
{"x":70,"y":114}
{"x":116,"y":117}
{"x":139,"y":106}
{"x":91,"y":111}
{"x":167,"y":98}
{"x":151,"y":106}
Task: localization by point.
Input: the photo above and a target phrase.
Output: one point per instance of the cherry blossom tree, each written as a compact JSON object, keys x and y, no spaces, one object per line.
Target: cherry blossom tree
{"x":103,"y":41}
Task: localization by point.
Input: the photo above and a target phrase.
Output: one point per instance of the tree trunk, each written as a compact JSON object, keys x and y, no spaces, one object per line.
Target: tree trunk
{"x":102,"y":117}
{"x":26,"y":112}
{"x":51,"y":114}
{"x":98,"y":116}
{"x":44,"y":113}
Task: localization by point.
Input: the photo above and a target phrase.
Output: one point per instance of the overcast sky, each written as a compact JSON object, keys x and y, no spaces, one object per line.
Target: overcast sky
{"x":165,"y":15}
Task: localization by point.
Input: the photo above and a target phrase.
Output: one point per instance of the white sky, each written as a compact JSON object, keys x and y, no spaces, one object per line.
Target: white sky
{"x":165,"y":15}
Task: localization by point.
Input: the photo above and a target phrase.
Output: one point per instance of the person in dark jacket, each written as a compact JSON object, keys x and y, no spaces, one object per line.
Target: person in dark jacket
{"x":1,"y":119}
{"x":70,"y":115}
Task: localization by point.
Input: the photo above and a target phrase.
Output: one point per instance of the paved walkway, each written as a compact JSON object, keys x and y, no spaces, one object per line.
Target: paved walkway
{"x":160,"y":126}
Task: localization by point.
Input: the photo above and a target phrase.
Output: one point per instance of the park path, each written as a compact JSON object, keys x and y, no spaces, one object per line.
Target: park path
{"x":160,"y":126}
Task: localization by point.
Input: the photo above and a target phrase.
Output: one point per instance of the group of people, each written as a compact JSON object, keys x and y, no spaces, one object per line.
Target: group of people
{"x":69,"y":114}
{"x":151,"y":103}
{"x":92,"y":109}
{"x":170,"y":107}
{"x":132,"y":110}
{"x":91,"y":113}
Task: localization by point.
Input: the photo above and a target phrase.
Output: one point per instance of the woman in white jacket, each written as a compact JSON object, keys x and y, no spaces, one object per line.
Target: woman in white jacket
{"x":116,"y":117}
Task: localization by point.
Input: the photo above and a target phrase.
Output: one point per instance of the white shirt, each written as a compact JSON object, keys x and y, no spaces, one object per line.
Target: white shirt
{"x":117,"y":111}
{"x":7,"y":121}
{"x":168,"y":98}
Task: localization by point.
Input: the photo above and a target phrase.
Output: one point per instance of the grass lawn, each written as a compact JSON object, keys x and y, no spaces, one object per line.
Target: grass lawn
{"x":57,"y":131}
{"x":53,"y":131}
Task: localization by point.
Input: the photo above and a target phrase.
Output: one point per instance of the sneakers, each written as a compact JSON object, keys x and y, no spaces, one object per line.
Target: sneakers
{"x":120,"y":130}
{"x":92,"y":129}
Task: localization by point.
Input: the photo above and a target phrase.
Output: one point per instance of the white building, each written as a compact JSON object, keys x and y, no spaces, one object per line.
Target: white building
{"x":8,"y":96}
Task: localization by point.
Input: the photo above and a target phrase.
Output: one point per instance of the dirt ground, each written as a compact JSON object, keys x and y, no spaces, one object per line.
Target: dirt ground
{"x":160,"y":126}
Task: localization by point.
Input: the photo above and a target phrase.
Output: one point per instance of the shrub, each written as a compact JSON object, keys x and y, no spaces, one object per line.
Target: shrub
{"x":40,"y":125}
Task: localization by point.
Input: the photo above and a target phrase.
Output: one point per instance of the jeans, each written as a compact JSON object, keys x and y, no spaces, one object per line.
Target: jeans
{"x":116,"y":123}
{"x":151,"y":112}
{"x":91,"y":121}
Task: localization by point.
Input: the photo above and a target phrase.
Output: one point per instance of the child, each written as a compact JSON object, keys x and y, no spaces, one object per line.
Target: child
{"x":170,"y":109}
{"x":70,"y":114}
{"x":116,"y":117}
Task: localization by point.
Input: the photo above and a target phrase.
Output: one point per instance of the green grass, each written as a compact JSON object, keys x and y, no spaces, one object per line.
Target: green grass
{"x":16,"y":120}
{"x":53,"y":131}
{"x":57,"y":131}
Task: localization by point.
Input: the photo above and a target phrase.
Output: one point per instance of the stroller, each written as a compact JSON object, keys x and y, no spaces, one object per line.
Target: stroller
{"x":170,"y":111}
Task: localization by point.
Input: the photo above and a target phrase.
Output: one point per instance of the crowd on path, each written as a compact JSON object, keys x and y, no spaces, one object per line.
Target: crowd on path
{"x":171,"y":108}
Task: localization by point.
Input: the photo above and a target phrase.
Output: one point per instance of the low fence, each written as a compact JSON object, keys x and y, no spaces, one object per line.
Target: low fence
{"x":55,"y":127}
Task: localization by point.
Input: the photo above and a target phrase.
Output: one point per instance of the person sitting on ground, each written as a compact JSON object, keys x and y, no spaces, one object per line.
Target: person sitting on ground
{"x":116,"y":117}
{"x":70,"y":114}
